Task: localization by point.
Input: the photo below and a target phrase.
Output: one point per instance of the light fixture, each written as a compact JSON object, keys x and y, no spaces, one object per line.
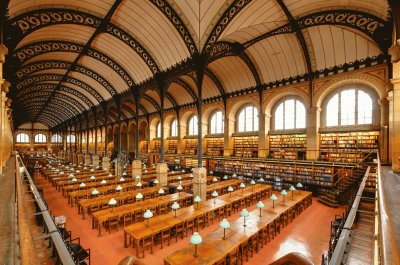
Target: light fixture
{"x":190,"y":175}
{"x":74,"y":180}
{"x":273,"y":199}
{"x":137,"y":178}
{"x":252,"y":182}
{"x":112,"y":203}
{"x":215,"y":195}
{"x":105,"y":169}
{"x":62,"y":173}
{"x":139,"y":184}
{"x":224,"y":224}
{"x":215,"y":179}
{"x":292,"y":189}
{"x":92,"y":177}
{"x":146,"y":171}
{"x":97,"y":167}
{"x":78,"y":171}
{"x":139,"y":196}
{"x":225,"y":177}
{"x":92,"y":170}
{"x":110,"y":175}
{"x":179,"y":188}
{"x":71,"y":175}
{"x":179,"y":178}
{"x":122,"y":179}
{"x":234,"y":175}
{"x":197,"y":200}
{"x":299,"y":186}
{"x":242,"y":186}
{"x":103,"y":182}
{"x":82,"y":185}
{"x":230,"y":189}
{"x":156,"y":181}
{"x":95,"y":192}
{"x":195,"y":240}
{"x":175,"y":206}
{"x":284,"y":194}
{"x":124,"y":174}
{"x":118,"y":188}
{"x":160,"y":192}
{"x":211,"y":173}
{"x":260,"y":205}
{"x":244,"y":213}
{"x":147,"y":215}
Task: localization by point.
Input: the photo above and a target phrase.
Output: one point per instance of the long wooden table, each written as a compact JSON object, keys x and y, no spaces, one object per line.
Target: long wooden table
{"x":68,"y":188}
{"x":214,"y":248}
{"x":138,"y":231}
{"x":117,"y":212}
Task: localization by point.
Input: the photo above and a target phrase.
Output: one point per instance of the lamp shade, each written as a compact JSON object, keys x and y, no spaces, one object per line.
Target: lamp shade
{"x":112,"y":202}
{"x":252,"y":182}
{"x":292,"y":188}
{"x":74,"y":180}
{"x":105,"y":169}
{"x":211,"y":172}
{"x":273,"y":197}
{"x":139,"y":184}
{"x":97,"y":167}
{"x":110,"y":175}
{"x":230,"y":189}
{"x":215,"y":180}
{"x":224,"y":224}
{"x":121,"y":179}
{"x":191,"y":175}
{"x":225,"y":177}
{"x":71,"y":175}
{"x":260,"y":205}
{"x":118,"y":188}
{"x":84,"y":168}
{"x":62,"y":173}
{"x":124,"y":174}
{"x":92,"y":177}
{"x":103,"y":181}
{"x":261,"y":180}
{"x":179,"y":178}
{"x":156,"y":181}
{"x":137,"y":177}
{"x":244,"y":213}
{"x":283,"y":192}
{"x":139,"y":196}
{"x":92,"y":170}
{"x":179,"y":188}
{"x":214,"y":194}
{"x":242,"y":185}
{"x":196,"y":239}
{"x":299,"y":185}
{"x":160,"y":191}
{"x":95,"y":192}
{"x":234,"y":175}
{"x":147,"y":214}
{"x":183,"y":171}
{"x":82,"y":185}
{"x":173,"y":171}
{"x":197,"y":199}
{"x":145,"y":171}
{"x":175,"y":206}
{"x":78,"y":171}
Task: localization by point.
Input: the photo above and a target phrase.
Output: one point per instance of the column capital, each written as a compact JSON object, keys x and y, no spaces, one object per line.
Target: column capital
{"x":313,"y":110}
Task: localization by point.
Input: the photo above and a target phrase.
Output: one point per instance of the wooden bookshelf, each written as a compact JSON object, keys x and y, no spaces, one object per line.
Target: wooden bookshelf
{"x":319,"y":177}
{"x":157,"y":146}
{"x":191,"y":147}
{"x":188,"y":162}
{"x":215,"y":146}
{"x":172,"y":146}
{"x":143,"y":145}
{"x":288,"y":146}
{"x":349,"y":147}
{"x":245,"y":146}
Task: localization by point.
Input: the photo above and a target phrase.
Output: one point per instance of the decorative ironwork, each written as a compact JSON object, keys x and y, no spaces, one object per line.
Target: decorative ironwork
{"x":152,"y":101}
{"x":216,"y":81}
{"x":34,"y":20}
{"x":187,"y":88}
{"x":39,"y":96}
{"x":57,"y":77}
{"x":173,"y":17}
{"x":34,"y":49}
{"x":171,"y":99}
{"x":223,"y":22}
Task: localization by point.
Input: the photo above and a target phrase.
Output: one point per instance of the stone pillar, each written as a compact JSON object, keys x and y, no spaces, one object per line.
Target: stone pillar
{"x":396,"y":125}
{"x":162,"y":173}
{"x":263,"y":141}
{"x":390,"y":101}
{"x":228,"y":140}
{"x":75,"y":159}
{"x":119,"y":167}
{"x":136,"y":168}
{"x":200,"y":183}
{"x":383,"y":141}
{"x":80,"y":158}
{"x":105,"y":163}
{"x":312,"y":131}
{"x":87,"y":160}
{"x":96,"y":161}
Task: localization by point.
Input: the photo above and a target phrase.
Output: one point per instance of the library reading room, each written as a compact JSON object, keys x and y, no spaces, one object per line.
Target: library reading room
{"x":184,"y":132}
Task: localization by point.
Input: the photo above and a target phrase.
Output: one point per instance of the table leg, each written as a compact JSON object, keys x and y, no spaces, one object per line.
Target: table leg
{"x":125,"y":243}
{"x":137,"y":248}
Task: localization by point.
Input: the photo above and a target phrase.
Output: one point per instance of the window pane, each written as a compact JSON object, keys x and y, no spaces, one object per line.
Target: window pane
{"x":22,"y":138}
{"x":193,"y":126}
{"x":241,"y":121}
{"x":289,"y":114}
{"x":332,"y":111}
{"x":347,"y":107}
{"x":364,"y":108}
{"x":159,"y":130}
{"x":217,"y":123}
{"x":255,"y":117}
{"x":300,"y":115}
{"x":279,"y":117}
{"x":40,"y":138}
{"x":174,"y":128}
{"x":249,"y":119}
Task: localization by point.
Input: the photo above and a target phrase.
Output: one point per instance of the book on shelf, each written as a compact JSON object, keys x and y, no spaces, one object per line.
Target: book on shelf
{"x":191,"y":147}
{"x":245,"y":146}
{"x":215,"y":146}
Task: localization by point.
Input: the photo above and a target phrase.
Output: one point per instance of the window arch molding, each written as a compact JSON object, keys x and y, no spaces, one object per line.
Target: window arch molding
{"x":376,"y":110}
{"x":174,"y":128}
{"x":22,"y":138}
{"x":254,"y":123}
{"x":193,"y":125}
{"x":56,"y":138}
{"x":219,"y":118}
{"x":278,"y":103}
{"x":40,"y":138}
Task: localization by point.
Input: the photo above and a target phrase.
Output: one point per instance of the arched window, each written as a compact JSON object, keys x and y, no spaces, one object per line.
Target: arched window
{"x":71,"y":138}
{"x":217,"y":123}
{"x":56,"y":138}
{"x":289,"y":115}
{"x":40,"y":138}
{"x":159,"y":130}
{"x":248,"y":119}
{"x":22,"y":138}
{"x":349,"y":107}
{"x":174,"y":128}
{"x":193,"y":126}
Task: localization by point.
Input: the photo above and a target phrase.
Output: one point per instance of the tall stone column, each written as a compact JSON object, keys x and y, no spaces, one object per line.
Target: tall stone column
{"x":87,"y":159}
{"x":394,"y":51}
{"x":162,"y":174}
{"x":390,"y":147}
{"x":200,"y":183}
{"x":136,"y":168}
{"x":383,"y":143}
{"x":312,"y":130}
{"x":96,"y":161}
{"x":105,"y":163}
{"x":264,"y":127}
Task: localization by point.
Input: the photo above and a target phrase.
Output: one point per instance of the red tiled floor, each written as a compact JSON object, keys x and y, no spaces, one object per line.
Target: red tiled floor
{"x":307,"y":234}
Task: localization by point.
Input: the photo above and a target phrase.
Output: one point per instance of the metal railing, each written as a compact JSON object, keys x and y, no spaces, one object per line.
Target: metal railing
{"x":61,"y":248}
{"x":337,"y":256}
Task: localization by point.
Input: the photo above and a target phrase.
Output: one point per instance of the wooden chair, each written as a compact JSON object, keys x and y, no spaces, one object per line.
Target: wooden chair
{"x":248,"y":201}
{"x":228,"y":210}
{"x":234,"y":257}
{"x":188,"y":201}
{"x":165,"y":235}
{"x":112,"y":222}
{"x":147,"y":243}
{"x":138,"y":216}
{"x":210,"y":217}
{"x":221,"y":213}
{"x":200,"y":220}
{"x":163,"y":209}
{"x":189,"y":225}
{"x":253,"y":244}
{"x":128,"y":218}
{"x":179,"y":230}
{"x":244,"y":251}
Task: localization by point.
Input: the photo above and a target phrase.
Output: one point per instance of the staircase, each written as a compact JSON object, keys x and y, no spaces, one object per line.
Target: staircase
{"x":360,"y":249}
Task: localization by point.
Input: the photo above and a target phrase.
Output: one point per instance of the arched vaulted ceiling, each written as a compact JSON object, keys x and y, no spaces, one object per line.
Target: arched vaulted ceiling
{"x":71,"y":58}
